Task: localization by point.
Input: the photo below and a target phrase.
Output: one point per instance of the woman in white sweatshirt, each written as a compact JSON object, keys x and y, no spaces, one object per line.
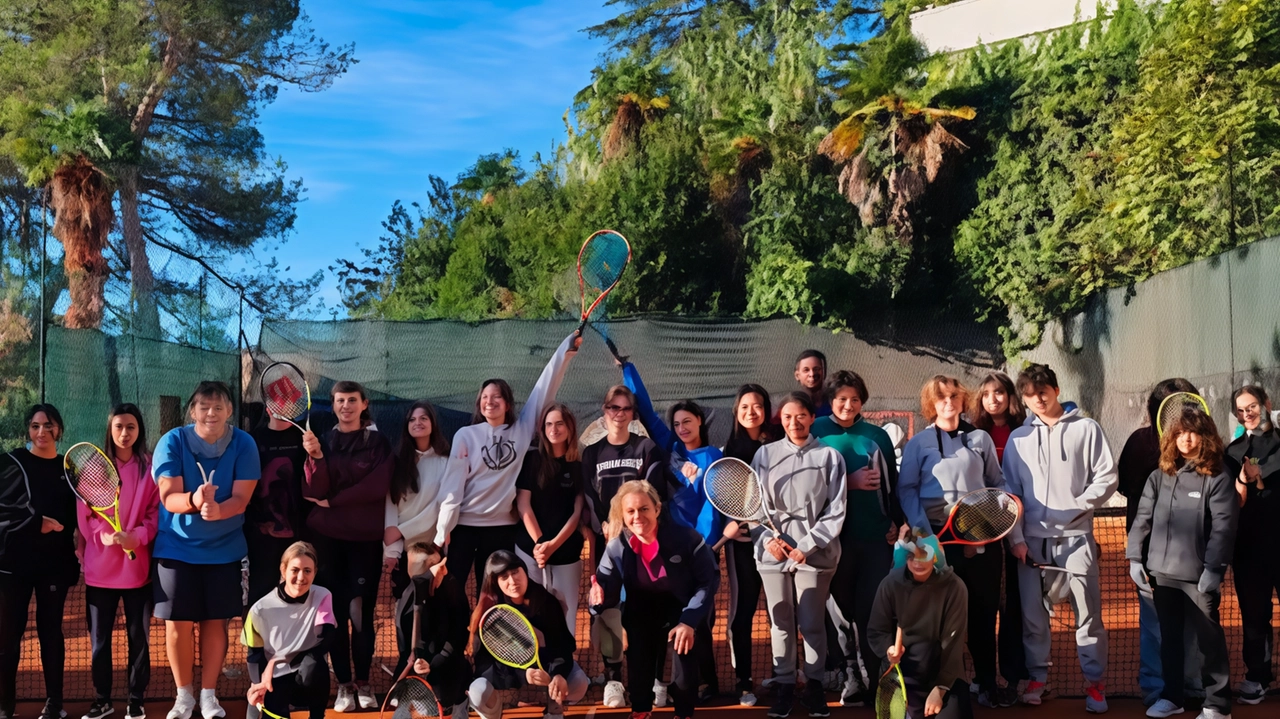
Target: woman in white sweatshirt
{"x":413,"y":505}
{"x":478,"y":505}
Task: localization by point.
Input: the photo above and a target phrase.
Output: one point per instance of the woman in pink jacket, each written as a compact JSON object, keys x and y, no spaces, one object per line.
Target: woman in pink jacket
{"x":110,"y":576}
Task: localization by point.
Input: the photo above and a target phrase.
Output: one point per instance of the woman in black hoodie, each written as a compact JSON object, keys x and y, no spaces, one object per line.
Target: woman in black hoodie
{"x":1187,"y":515}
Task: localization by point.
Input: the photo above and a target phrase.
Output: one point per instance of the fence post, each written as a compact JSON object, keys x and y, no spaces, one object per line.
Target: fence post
{"x":44,"y":250}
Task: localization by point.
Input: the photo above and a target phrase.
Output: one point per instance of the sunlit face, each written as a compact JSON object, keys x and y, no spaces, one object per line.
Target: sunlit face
{"x":556,"y":428}
{"x":493,"y":406}
{"x":419,"y":424}
{"x":640,"y":515}
{"x":513,"y":583}
{"x":948,"y":405}
{"x":43,"y":432}
{"x":124,"y":431}
{"x":1250,"y":411}
{"x":211,"y":413}
{"x":846,"y":405}
{"x":750,"y":411}
{"x":348,"y":406}
{"x":810,"y":373}
{"x":298,"y":575}
{"x":994,"y":399}
{"x":687,"y":427}
{"x":618,"y":413}
{"x":1042,"y":400}
{"x":796,"y":421}
{"x":1188,"y":444}
{"x":920,"y":569}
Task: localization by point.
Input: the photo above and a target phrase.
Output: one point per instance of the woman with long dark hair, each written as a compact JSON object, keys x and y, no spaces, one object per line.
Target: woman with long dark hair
{"x":413,"y":505}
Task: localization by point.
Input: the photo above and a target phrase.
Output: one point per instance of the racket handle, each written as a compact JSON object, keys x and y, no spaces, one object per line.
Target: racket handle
{"x":129,"y":553}
{"x":898,"y":642}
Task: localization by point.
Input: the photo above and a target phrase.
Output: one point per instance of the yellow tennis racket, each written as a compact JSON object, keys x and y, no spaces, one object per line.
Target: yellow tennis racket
{"x":509,"y":637}
{"x":93,"y":477}
{"x":1175,"y":405}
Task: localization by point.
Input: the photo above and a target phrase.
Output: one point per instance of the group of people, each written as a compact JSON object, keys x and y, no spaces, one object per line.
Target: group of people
{"x":848,"y":564}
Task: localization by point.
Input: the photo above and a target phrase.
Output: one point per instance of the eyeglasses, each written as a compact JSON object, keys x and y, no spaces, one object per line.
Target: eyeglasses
{"x":1254,"y":408}
{"x":617,"y":408}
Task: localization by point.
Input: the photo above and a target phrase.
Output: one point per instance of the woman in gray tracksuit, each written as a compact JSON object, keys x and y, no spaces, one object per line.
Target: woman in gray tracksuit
{"x":1188,"y":511}
{"x":804,"y":496}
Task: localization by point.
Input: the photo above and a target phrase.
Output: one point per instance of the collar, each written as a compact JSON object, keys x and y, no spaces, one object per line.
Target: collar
{"x":284,"y":596}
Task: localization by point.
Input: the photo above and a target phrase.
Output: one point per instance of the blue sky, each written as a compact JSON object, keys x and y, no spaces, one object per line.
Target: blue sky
{"x":439,"y":82}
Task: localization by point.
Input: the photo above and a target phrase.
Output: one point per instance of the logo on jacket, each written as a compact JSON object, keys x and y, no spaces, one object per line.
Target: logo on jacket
{"x":499,"y":454}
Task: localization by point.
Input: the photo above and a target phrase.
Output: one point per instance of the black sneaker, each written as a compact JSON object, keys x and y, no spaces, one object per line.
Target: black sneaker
{"x":100,"y":709}
{"x":53,"y":710}
{"x":784,"y":699}
{"x":815,"y":700}
{"x":135,"y":710}
{"x":707,"y":693}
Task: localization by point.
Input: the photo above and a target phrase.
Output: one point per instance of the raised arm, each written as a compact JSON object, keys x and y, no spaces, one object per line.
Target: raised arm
{"x":544,"y":391}
{"x":652,"y":421}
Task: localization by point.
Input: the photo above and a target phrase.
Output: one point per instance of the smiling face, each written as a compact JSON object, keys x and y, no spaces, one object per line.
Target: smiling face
{"x":687,"y":427}
{"x":994,"y":399}
{"x":1249,"y":411}
{"x":618,"y":412}
{"x":948,"y":406}
{"x":493,"y":406}
{"x":1043,"y":401}
{"x":921,"y":569}
{"x":420,"y":426}
{"x":556,"y":428}
{"x":846,"y":405}
{"x":348,"y":406}
{"x":640,"y":515}
{"x":750,"y":411}
{"x":810,"y":373}
{"x":124,"y":431}
{"x":211,"y":414}
{"x":43,"y":433}
{"x":513,"y":583}
{"x":796,"y":421}
{"x":298,"y":575}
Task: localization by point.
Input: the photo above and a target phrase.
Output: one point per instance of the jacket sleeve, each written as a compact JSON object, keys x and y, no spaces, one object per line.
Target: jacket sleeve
{"x":452,"y":488}
{"x":762,"y":533}
{"x":609,"y":575}
{"x":316,"y":476}
{"x":1104,"y":478}
{"x":1141,"y":528}
{"x":882,"y":627}
{"x":455,"y":641}
{"x":1224,"y":514}
{"x":544,"y":391}
{"x":1131,"y":479}
{"x":827,"y":529}
{"x":1011,"y":468}
{"x":149,"y":495}
{"x":391,"y":518}
{"x":659,"y":432}
{"x":909,"y":479}
{"x":955,"y":619}
{"x":19,"y":523}
{"x":892,"y":477}
{"x":706,"y":575}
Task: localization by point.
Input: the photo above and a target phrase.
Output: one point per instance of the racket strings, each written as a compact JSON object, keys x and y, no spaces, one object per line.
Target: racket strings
{"x":413,"y":699}
{"x":733,"y":490}
{"x":891,"y":703}
{"x":984,"y":516}
{"x":507,"y":637}
{"x":1177,"y":406}
{"x":91,"y":478}
{"x":602,"y":261}
{"x":284,"y":391}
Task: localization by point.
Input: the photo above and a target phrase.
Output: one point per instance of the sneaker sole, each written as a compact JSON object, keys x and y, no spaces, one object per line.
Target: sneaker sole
{"x":1250,"y":701}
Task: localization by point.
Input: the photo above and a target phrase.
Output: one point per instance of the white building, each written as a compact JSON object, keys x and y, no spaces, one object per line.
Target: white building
{"x":965,"y":24}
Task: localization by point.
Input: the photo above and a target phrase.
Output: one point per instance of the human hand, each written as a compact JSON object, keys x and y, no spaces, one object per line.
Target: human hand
{"x":797,"y":556}
{"x":731,"y":530}
{"x":49,"y":524}
{"x":865,"y":479}
{"x":537,"y":677}
{"x":933,"y":704}
{"x":595,"y":596}
{"x":1019,"y":551}
{"x":257,"y":694}
{"x":1210,"y":581}
{"x":777,"y":548}
{"x":389,"y":563}
{"x":421,"y":667}
{"x":211,"y":512}
{"x":108,"y":539}
{"x":970,"y":551}
{"x":1139,"y":577}
{"x":894,"y":654}
{"x":127,"y":541}
{"x":311,"y":443}
{"x":892,"y":535}
{"x":689,"y":470}
{"x":558,"y":689}
{"x":681,"y":638}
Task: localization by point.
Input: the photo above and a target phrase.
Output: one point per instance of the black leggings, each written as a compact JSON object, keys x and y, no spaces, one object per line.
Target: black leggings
{"x":648,"y":619}
{"x":1013,"y":658}
{"x":1257,"y":578}
{"x":981,"y":575}
{"x":101,"y":604}
{"x":15,"y":596}
{"x":744,"y":600}
{"x":351,"y":570}
{"x":307,"y":687}
{"x":470,"y":547}
{"x":1179,"y":604}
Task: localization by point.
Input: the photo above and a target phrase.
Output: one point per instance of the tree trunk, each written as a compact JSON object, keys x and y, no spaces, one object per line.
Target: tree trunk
{"x":146,"y":316}
{"x":81,"y":202}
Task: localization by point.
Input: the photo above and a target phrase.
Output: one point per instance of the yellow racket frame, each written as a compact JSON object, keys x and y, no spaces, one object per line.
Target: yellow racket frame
{"x":114,"y":518}
{"x":533,"y":632}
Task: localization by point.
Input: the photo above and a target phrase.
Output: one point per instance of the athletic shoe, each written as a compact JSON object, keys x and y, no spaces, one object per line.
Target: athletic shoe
{"x":1005,"y":697}
{"x":1248,"y":692}
{"x":365,"y":697}
{"x":783,"y":701}
{"x":851,"y":691}
{"x":707,"y":693}
{"x":859,"y":698}
{"x":1164,"y":708}
{"x":1211,"y":713}
{"x":616,"y":698}
{"x":815,"y":700}
{"x":209,"y":706}
{"x":135,"y":710}
{"x":641,"y":715}
{"x":346,"y":701}
{"x":100,"y":708}
{"x":747,"y":698}
{"x":553,"y":710}
{"x":53,"y":710}
{"x":1095,"y":698}
{"x":1034,"y":693}
{"x":660,"y":697}
{"x":182,"y":706}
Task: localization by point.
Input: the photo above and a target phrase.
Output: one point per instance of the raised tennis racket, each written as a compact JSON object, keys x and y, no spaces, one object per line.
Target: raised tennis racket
{"x":286,"y":394}
{"x":93,"y":477}
{"x":734,"y":489}
{"x":981,"y":517}
{"x":411,"y":698}
{"x":601,"y":262}
{"x":509,"y":637}
{"x":1175,"y":405}
{"x":891,"y":692}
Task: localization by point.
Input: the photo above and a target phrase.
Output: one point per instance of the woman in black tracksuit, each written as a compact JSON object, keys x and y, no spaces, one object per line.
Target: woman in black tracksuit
{"x":444,"y":611}
{"x":1188,"y":513}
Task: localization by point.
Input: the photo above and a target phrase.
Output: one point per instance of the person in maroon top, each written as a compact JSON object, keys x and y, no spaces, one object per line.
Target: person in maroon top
{"x":348,"y":477}
{"x":997,"y":410}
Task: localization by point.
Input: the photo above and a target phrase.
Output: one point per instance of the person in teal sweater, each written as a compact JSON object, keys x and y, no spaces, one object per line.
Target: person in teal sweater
{"x":870,"y":526}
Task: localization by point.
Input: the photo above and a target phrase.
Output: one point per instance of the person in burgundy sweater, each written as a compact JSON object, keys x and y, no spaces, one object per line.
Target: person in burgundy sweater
{"x":348,"y":476}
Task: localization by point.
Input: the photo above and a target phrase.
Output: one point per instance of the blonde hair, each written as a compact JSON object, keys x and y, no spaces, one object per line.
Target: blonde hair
{"x":615,"y":505}
{"x":295,"y":550}
{"x":932,"y":392}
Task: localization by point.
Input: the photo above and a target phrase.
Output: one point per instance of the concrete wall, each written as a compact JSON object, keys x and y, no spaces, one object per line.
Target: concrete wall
{"x":963,"y":25}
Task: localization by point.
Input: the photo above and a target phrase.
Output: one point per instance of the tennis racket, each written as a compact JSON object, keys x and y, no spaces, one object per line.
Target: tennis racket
{"x":286,"y":394}
{"x":981,"y":517}
{"x":601,"y":262}
{"x":1050,"y":567}
{"x":891,"y":693}
{"x":267,"y":712}
{"x":414,"y":635}
{"x":1174,"y":405}
{"x":411,"y":698}
{"x":734,"y":489}
{"x":93,"y":477}
{"x":509,"y":637}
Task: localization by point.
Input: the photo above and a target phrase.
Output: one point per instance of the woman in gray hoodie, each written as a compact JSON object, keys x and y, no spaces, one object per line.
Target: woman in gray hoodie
{"x":804,"y":495}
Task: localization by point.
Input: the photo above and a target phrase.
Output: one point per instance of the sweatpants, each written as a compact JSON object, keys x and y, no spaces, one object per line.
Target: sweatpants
{"x":744,"y":597}
{"x":648,"y":619}
{"x":101,"y":604}
{"x":981,"y":576}
{"x":565,"y":584}
{"x":50,"y":590}
{"x":864,"y":563}
{"x":470,"y":547}
{"x":1176,"y":604}
{"x":1255,"y":580}
{"x":1079,"y":554}
{"x":1013,"y":660}
{"x":350,"y":571}
{"x":797,"y":600}
{"x":488,"y":701}
{"x":306,"y":688}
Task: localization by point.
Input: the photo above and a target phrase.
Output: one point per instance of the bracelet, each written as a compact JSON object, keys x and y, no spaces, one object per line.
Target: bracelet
{"x":191,"y":500}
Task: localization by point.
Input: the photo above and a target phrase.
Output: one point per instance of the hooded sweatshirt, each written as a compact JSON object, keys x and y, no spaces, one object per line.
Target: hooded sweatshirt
{"x":1061,"y":473}
{"x":110,"y":567}
{"x":1191,"y":521}
{"x":1261,"y":510}
{"x":804,"y":496}
{"x":479,"y":488}
{"x":354,"y":476}
{"x":688,"y":503}
{"x":933,"y":615}
{"x":869,"y":512}
{"x":940,"y":467}
{"x":417,"y":514}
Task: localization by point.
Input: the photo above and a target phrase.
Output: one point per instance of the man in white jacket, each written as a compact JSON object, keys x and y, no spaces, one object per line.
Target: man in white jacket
{"x":1058,"y":463}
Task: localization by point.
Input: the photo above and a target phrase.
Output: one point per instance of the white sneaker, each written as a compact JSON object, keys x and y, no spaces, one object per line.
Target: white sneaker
{"x":660,"y":698}
{"x":182,"y":706}
{"x":615,"y":697}
{"x":365,"y":697}
{"x":1211,"y":713}
{"x":748,"y":699}
{"x":346,"y":701}
{"x":1248,"y":692}
{"x":209,"y":706}
{"x":1164,"y":708}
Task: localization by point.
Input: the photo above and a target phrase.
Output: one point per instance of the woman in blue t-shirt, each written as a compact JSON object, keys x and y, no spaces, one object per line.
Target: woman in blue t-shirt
{"x":206,"y":472}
